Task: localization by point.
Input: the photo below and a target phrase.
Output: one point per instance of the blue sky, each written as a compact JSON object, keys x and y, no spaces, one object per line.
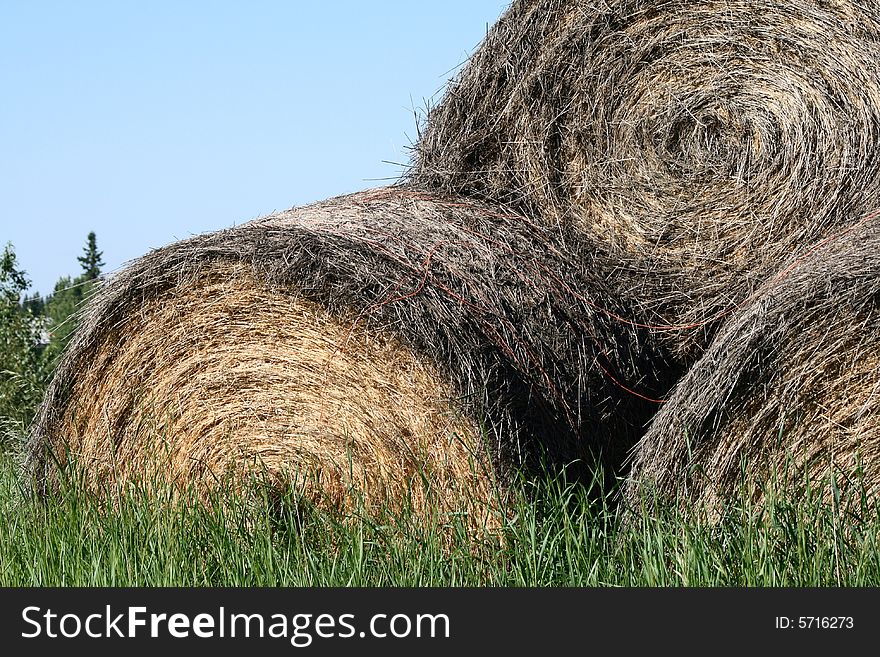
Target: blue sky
{"x":148,"y":122}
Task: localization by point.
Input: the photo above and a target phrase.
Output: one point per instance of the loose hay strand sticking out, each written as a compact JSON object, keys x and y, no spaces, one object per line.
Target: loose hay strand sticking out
{"x":787,"y":394}
{"x":697,"y":144}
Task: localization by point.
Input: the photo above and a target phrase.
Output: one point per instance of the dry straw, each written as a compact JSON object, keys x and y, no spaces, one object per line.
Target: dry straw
{"x":788,"y":393}
{"x":646,"y":165}
{"x":362,"y":343}
{"x":224,"y":376}
{"x":698,"y":144}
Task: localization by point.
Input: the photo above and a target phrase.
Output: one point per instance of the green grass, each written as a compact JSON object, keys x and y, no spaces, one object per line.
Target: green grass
{"x":560,"y":538}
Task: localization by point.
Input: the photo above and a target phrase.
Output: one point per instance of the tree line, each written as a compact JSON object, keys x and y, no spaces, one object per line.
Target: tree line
{"x":34,"y":330}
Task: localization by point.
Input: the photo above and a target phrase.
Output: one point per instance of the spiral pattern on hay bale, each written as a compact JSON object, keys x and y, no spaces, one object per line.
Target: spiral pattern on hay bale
{"x":223,"y":379}
{"x":699,"y":143}
{"x":786,"y":397}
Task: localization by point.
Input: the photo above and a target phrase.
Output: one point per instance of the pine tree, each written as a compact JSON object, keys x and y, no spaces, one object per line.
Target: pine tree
{"x":91,"y":259}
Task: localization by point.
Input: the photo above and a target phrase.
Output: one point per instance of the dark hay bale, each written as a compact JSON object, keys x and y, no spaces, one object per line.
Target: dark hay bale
{"x":358,"y":342}
{"x":788,"y":393}
{"x":698,"y":144}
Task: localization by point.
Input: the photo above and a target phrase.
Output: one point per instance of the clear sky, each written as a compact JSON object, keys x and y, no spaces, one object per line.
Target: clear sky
{"x":147,"y":122}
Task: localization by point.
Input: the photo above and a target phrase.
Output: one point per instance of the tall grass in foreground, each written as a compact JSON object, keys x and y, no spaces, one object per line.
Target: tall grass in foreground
{"x":559,"y":538}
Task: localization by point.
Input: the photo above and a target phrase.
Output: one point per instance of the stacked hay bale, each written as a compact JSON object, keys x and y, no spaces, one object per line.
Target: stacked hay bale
{"x":377,"y":343}
{"x":698,"y":144}
{"x":788,"y":393}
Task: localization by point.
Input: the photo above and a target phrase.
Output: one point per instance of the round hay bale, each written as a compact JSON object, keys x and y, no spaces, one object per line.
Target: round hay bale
{"x":358,"y":343}
{"x":787,"y":395}
{"x":223,"y":376}
{"x":698,"y":144}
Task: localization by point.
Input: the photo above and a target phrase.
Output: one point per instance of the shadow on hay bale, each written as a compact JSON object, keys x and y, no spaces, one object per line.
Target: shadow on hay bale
{"x":697,"y":144}
{"x":787,"y":394}
{"x":360,"y":342}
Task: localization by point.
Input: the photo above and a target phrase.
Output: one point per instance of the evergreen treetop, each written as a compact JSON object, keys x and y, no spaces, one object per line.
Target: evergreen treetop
{"x":91,"y":258}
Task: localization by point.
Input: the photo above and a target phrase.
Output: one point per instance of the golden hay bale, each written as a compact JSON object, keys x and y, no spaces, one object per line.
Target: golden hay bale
{"x":356,"y":343}
{"x":697,"y":143}
{"x":223,"y":376}
{"x":788,"y":394}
